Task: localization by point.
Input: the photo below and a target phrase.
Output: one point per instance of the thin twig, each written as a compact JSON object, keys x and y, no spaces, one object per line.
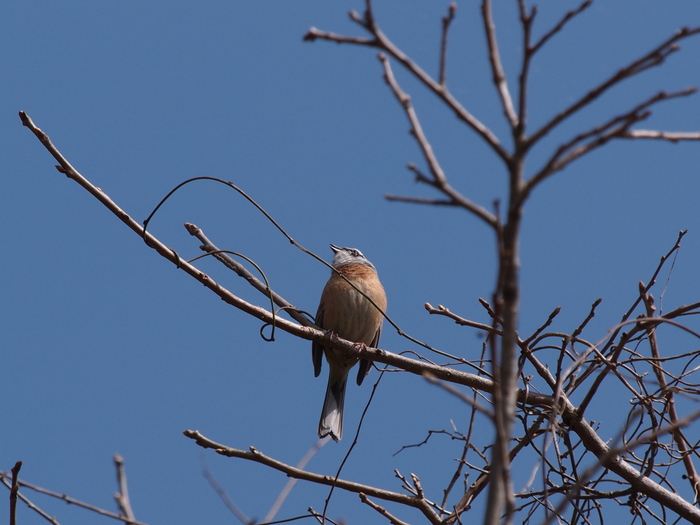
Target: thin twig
{"x":591,"y":314}
{"x":442,"y":310}
{"x":381,"y":510}
{"x":122,"y":497}
{"x":460,"y":395}
{"x":560,"y":25}
{"x":542,"y":327}
{"x":221,"y":492}
{"x":355,"y":440}
{"x":446,"y":22}
{"x":13,"y":493}
{"x":499,"y":76}
{"x":420,"y":200}
{"x":284,"y":493}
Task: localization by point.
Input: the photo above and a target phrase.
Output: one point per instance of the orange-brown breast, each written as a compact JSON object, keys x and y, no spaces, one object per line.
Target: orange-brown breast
{"x":347,"y":312}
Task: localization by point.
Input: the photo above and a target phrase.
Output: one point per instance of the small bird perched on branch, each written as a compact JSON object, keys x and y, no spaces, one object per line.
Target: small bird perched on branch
{"x":344,"y":311}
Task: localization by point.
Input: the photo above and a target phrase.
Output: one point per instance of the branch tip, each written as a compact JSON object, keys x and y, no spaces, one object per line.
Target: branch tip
{"x":26,"y":121}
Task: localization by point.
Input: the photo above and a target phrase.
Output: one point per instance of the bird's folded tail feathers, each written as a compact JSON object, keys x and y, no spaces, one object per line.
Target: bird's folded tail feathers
{"x":331,"y":422}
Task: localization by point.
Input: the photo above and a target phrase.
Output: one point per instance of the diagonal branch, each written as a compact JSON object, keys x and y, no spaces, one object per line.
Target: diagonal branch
{"x":253,"y":454}
{"x":305,"y":332}
{"x":381,"y":510}
{"x":499,"y":76}
{"x":439,"y":180}
{"x":568,"y":16}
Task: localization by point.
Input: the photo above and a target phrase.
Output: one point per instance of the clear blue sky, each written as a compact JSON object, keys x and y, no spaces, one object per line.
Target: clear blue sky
{"x":107,"y":348}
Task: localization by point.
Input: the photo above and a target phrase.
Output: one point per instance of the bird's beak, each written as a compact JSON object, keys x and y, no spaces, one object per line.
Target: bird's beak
{"x":335,"y":248}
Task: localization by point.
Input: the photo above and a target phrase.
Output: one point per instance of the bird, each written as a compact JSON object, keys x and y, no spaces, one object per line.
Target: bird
{"x":344,"y":311}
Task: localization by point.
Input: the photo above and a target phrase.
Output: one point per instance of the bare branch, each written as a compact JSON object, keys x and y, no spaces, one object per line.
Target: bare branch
{"x":635,"y":468}
{"x":292,"y":481}
{"x":499,"y":76}
{"x":616,"y":330}
{"x":13,"y":493}
{"x":442,"y":310}
{"x":616,"y":127}
{"x":670,"y":136}
{"x":591,"y":315}
{"x":66,"y":499}
{"x":221,"y":492}
{"x":446,"y":22}
{"x":314,"y":34}
{"x":544,"y":325}
{"x":529,"y":50}
{"x":526,"y":21}
{"x":655,"y":57}
{"x":439,"y":180}
{"x":254,"y":455}
{"x":626,"y":448}
{"x":209,"y":247}
{"x":420,"y":200}
{"x":560,"y":25}
{"x":381,"y":41}
{"x":439,"y":177}
{"x":642,"y":484}
{"x":459,"y":395}
{"x":122,"y":497}
{"x":381,"y":510}
{"x":304,"y":332}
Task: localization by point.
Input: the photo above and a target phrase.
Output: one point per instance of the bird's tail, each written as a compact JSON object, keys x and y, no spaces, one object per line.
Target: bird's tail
{"x":332,"y":415}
